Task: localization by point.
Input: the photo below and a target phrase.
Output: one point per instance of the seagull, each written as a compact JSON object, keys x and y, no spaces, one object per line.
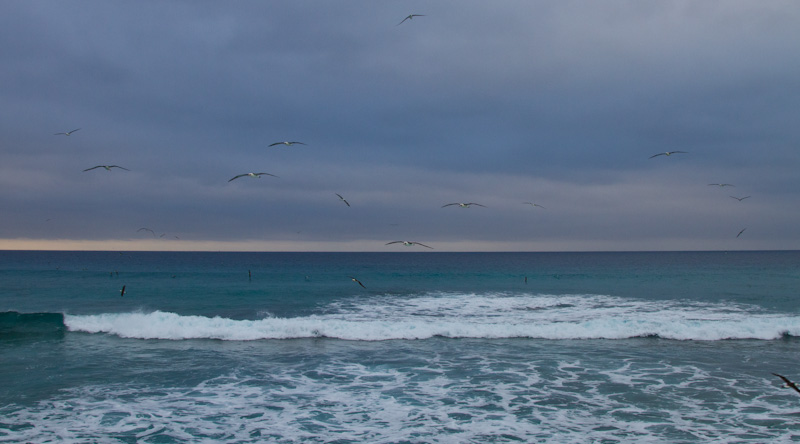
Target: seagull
{"x":789,"y":384}
{"x":258,"y":175}
{"x":409,"y":244}
{"x":107,"y":167}
{"x":147,"y":229}
{"x":342,"y":198}
{"x":463,"y":205}
{"x":740,"y":198}
{"x":533,"y":204}
{"x":122,"y":292}
{"x":667,"y":153}
{"x":409,"y":18}
{"x":67,"y":133}
{"x":740,"y":233}
{"x":721,"y":184}
{"x":287,"y":143}
{"x":356,"y":281}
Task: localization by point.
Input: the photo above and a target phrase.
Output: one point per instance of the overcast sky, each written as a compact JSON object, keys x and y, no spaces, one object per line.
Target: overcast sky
{"x":559,"y":103}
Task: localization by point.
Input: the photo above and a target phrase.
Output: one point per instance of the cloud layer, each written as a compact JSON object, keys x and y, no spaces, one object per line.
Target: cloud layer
{"x":558,"y":103}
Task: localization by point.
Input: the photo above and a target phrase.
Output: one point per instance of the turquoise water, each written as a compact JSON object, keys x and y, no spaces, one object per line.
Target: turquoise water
{"x":439,"y":347}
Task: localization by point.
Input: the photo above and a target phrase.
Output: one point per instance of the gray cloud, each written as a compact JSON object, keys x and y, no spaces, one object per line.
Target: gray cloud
{"x":558,"y":101}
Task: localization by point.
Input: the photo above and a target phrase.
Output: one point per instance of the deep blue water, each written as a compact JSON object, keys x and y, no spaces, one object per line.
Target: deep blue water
{"x":439,"y":347}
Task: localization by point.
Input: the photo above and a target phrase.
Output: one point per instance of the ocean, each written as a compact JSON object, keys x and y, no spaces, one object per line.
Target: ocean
{"x":668,"y":347}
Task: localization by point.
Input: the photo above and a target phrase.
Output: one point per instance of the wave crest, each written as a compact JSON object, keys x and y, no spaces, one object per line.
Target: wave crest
{"x":466,"y":316}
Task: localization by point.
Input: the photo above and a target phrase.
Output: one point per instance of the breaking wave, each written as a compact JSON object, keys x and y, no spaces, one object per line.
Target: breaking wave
{"x":466,"y":316}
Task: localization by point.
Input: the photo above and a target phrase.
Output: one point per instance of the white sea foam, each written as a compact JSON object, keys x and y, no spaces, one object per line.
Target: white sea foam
{"x":467,"y":316}
{"x":349,"y":402}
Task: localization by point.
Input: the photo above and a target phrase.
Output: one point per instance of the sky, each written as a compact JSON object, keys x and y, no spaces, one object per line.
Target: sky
{"x":560,"y":103}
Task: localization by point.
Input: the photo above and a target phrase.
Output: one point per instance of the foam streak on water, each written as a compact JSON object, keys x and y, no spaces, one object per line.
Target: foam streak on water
{"x":565,"y":401}
{"x":467,"y":316}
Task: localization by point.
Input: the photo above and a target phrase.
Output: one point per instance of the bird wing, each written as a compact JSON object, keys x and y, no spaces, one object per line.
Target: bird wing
{"x":740,"y":233}
{"x":401,"y":22}
{"x":276,"y":143}
{"x":473,"y":203}
{"x":394,"y":242}
{"x":656,"y":155}
{"x":236,"y":177}
{"x":77,"y":129}
{"x":117,"y":166}
{"x":456,"y":203}
{"x":98,"y":166}
{"x":299,"y":143}
{"x":122,"y":292}
{"x":422,"y":245}
{"x":268,"y":174}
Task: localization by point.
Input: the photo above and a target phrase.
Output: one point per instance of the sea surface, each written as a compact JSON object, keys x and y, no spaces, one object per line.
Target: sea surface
{"x":674,"y":347}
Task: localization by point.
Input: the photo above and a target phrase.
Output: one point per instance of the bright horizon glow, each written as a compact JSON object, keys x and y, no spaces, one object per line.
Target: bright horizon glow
{"x":377,"y":246}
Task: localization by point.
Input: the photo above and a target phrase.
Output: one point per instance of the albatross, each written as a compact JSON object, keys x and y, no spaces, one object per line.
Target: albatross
{"x":533,"y":204}
{"x":409,"y":244}
{"x":356,"y":281}
{"x":342,"y":198}
{"x":464,"y":205}
{"x":721,"y":184}
{"x":740,"y":198}
{"x":668,"y":153}
{"x":68,"y":133}
{"x":107,"y":167}
{"x":788,"y":383}
{"x":258,"y":175}
{"x":287,"y":143}
{"x":409,"y":18}
{"x":147,"y":229}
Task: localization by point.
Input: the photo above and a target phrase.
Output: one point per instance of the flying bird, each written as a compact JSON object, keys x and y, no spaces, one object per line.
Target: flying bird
{"x":147,"y":229}
{"x":533,"y":204}
{"x":67,"y":133}
{"x":721,"y":184}
{"x":122,"y":292}
{"x":740,"y":198}
{"x":287,"y":143}
{"x":356,"y":281}
{"x":107,"y":167}
{"x":740,"y":233}
{"x":409,"y":18}
{"x":409,"y":244}
{"x":668,"y":153}
{"x":258,"y":175}
{"x":788,"y":383}
{"x":464,"y":205}
{"x":342,"y":198}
